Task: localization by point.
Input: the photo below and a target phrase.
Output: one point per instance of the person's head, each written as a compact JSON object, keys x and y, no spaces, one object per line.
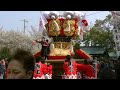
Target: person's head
{"x":47,"y":40}
{"x":106,"y":61}
{"x":118,"y":59}
{"x":42,"y":60}
{"x":86,"y":61}
{"x":21,"y":65}
{"x":68,"y":58}
{"x":2,"y":61}
{"x":48,"y":64}
{"x":91,"y":62}
{"x":38,"y":58}
{"x":43,"y":38}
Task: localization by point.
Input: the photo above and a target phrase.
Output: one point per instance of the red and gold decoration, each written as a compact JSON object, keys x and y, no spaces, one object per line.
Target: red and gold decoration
{"x":63,"y":28}
{"x":54,"y":28}
{"x":82,"y":54}
{"x":69,"y":27}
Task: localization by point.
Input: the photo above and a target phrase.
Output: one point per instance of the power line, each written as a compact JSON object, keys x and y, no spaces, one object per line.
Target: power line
{"x":40,"y":12}
{"x":94,"y":13}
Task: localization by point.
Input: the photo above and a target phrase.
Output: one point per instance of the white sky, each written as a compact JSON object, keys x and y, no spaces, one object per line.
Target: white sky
{"x":12,"y":19}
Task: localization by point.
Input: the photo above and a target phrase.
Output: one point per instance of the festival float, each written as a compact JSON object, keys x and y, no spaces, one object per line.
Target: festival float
{"x":63,"y":29}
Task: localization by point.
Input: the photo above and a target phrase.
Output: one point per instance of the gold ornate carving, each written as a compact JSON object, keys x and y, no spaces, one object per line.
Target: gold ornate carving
{"x":60,"y":52}
{"x":72,"y":28}
{"x":76,"y":31}
{"x":54,"y":27}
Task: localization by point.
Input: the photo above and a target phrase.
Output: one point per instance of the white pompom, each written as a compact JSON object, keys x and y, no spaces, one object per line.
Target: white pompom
{"x":78,"y":15}
{"x":54,"y":13}
{"x":69,"y":16}
{"x":46,"y":14}
{"x":52,"y":17}
{"x":66,"y":13}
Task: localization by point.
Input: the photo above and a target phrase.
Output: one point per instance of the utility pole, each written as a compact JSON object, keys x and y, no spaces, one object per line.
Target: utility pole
{"x":1,"y":28}
{"x":24,"y":20}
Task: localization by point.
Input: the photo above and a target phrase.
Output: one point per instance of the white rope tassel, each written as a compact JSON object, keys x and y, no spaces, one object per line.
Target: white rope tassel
{"x":71,"y":48}
{"x":61,"y":45}
{"x":52,"y":46}
{"x":79,"y":30}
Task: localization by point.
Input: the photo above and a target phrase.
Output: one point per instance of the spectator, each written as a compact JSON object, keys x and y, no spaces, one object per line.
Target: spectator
{"x":40,"y":69}
{"x":21,"y":65}
{"x":69,"y":68}
{"x":86,"y":69}
{"x":2,"y":70}
{"x":117,"y":68}
{"x":49,"y":70}
{"x":106,"y":72}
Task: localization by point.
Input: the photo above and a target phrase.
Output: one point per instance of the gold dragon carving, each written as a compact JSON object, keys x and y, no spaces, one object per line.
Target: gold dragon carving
{"x":54,"y":27}
{"x":72,"y":28}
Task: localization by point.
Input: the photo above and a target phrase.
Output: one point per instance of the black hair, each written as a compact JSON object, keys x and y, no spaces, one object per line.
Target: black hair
{"x":38,"y":58}
{"x":86,"y":61}
{"x":43,"y":37}
{"x":68,"y":57}
{"x":118,"y":58}
{"x":24,"y":57}
{"x":42,"y":60}
{"x":69,"y":63}
{"x":47,"y":40}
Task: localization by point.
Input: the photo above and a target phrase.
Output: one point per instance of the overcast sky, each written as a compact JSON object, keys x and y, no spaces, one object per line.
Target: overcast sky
{"x":12,"y":19}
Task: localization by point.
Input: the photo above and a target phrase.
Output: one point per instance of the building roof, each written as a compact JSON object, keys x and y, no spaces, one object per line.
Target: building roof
{"x":112,"y":55}
{"x":93,"y":50}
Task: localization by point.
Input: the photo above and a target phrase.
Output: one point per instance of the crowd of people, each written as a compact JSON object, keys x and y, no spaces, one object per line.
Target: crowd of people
{"x":23,"y":65}
{"x":91,"y":69}
{"x":3,"y":66}
{"x":42,"y":70}
{"x":73,"y":70}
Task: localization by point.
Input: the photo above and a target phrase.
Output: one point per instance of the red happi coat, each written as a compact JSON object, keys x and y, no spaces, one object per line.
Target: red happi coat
{"x":70,"y":71}
{"x":98,"y":65}
{"x":50,"y":71}
{"x":79,"y":74}
{"x":45,"y":69}
{"x":96,"y":69}
{"x":87,"y":71}
{"x":6,"y":74}
{"x":39,"y":71}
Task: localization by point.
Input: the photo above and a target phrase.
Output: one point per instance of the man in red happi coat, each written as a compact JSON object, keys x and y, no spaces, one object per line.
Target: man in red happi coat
{"x":86,"y":69}
{"x":69,"y":68}
{"x":40,"y":69}
{"x":49,"y":71}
